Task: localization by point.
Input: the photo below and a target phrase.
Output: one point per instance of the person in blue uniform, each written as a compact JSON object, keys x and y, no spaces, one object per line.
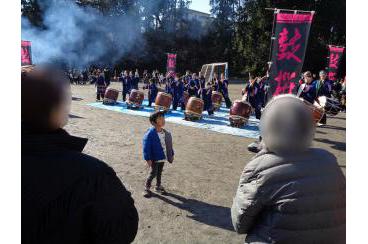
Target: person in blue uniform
{"x":100,"y":87}
{"x":126,"y":84}
{"x":262,"y":90}
{"x":307,"y":91}
{"x":206,"y":95}
{"x":323,"y":87}
{"x":168,"y":83}
{"x":152,"y":92}
{"x":177,"y":91}
{"x":252,"y":90}
{"x":107,"y":75}
{"x":202,"y":86}
{"x":187,"y":76}
{"x":215,"y":82}
{"x":195,"y":80}
{"x":202,"y":82}
{"x":223,"y":89}
{"x":94,"y":78}
{"x":192,"y":87}
{"x":135,"y":80}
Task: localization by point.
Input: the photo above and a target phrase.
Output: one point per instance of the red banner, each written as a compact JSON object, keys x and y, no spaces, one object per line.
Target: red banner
{"x":288,"y":51}
{"x":171,"y":64}
{"x":334,"y":57}
{"x":26,"y":53}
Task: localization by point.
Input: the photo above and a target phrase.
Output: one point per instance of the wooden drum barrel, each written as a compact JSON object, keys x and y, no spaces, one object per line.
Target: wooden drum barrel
{"x":316,"y":109}
{"x":111,"y":96}
{"x":216,"y":99}
{"x":239,"y":113}
{"x":163,"y":101}
{"x":135,"y":99}
{"x":194,"y":109}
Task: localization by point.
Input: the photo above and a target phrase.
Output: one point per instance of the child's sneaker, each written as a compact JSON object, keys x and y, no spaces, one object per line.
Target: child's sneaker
{"x":147,"y":193}
{"x":160,"y":190}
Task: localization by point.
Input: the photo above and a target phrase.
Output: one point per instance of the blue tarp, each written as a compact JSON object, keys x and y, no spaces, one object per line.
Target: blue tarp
{"x":219,"y":122}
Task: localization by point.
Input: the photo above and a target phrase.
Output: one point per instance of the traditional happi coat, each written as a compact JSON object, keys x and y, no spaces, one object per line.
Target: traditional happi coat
{"x":307,"y":92}
{"x":152,"y":91}
{"x":252,"y":94}
{"x":323,"y":88}
{"x":177,"y":91}
{"x":192,"y":88}
{"x":222,"y":88}
{"x":100,"y":85}
{"x":206,"y":96}
{"x":127,"y":84}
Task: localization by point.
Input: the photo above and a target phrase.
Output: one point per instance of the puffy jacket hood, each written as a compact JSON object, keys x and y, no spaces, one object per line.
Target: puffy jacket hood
{"x":287,"y":125}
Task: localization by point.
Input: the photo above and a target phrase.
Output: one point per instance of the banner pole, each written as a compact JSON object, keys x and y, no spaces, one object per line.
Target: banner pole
{"x":289,"y":10}
{"x":272,"y":34}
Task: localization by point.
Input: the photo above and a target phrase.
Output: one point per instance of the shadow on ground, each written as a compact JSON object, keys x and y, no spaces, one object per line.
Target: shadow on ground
{"x":334,"y":144}
{"x":75,"y":116}
{"x":209,"y":214}
{"x":77,"y":99}
{"x":333,"y":127}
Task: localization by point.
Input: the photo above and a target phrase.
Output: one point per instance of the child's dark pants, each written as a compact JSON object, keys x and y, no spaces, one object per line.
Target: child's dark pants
{"x":156,"y":171}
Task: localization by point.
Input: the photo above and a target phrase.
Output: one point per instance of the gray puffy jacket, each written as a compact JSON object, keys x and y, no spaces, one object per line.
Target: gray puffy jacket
{"x":294,"y":197}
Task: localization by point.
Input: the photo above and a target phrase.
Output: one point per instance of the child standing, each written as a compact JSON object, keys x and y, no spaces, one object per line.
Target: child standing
{"x":157,"y":149}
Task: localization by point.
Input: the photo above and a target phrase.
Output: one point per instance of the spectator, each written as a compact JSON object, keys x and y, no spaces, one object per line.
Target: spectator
{"x":290,"y":193}
{"x":67,"y":196}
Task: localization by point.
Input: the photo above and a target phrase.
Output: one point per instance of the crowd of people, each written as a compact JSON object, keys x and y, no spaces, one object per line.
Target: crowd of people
{"x":288,"y":193}
{"x":175,"y":85}
{"x":193,"y":85}
{"x":310,"y":90}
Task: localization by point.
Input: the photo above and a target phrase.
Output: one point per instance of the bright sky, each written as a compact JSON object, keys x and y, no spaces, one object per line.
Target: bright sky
{"x":201,"y":5}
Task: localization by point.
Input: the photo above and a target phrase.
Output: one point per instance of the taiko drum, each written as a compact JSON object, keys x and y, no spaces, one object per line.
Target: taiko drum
{"x":163,"y":101}
{"x":136,"y":97}
{"x":216,"y":98}
{"x":194,"y":107}
{"x":111,"y":96}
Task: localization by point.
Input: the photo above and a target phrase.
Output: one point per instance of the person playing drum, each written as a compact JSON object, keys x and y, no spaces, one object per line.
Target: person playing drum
{"x":126,"y":83}
{"x":223,"y":84}
{"x":253,"y":98}
{"x":192,"y":86}
{"x":307,"y":91}
{"x":100,"y":87}
{"x":206,"y":96}
{"x":177,"y":92}
{"x":323,"y":87}
{"x":152,"y":92}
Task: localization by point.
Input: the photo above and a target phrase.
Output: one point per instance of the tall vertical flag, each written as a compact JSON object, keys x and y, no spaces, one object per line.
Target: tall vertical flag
{"x":26,"y":54}
{"x":288,"y":51}
{"x":171,"y":64}
{"x":335,"y":57}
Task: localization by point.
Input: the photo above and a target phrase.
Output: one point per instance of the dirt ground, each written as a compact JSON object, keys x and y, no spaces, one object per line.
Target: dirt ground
{"x":202,"y":180}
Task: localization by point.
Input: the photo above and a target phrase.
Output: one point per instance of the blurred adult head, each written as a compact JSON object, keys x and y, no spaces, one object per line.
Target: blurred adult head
{"x":286,"y":125}
{"x":46,"y":99}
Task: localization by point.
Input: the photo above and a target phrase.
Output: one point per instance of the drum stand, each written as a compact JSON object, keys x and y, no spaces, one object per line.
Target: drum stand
{"x":191,"y":116}
{"x":133,"y":106}
{"x":107,"y":101}
{"x":216,"y":107}
{"x":237,"y":121}
{"x":161,"y":108}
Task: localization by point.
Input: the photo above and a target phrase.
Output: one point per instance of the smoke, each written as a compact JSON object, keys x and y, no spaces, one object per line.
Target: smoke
{"x":79,"y":36}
